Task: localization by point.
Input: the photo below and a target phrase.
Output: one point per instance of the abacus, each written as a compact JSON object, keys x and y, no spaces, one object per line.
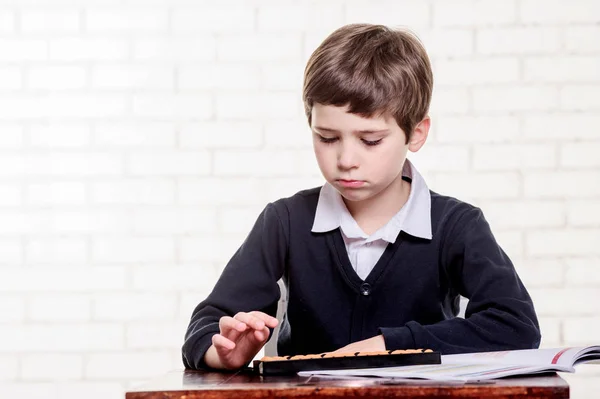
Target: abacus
{"x":281,"y":365}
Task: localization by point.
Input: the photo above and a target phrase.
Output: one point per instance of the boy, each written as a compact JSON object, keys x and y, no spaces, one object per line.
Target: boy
{"x":372,"y":260}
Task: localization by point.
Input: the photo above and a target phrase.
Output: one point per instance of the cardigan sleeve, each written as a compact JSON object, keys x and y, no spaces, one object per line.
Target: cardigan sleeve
{"x":248,"y":283}
{"x":500,"y":314}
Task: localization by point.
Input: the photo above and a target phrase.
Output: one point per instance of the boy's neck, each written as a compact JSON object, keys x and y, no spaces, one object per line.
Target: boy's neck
{"x":374,"y":213}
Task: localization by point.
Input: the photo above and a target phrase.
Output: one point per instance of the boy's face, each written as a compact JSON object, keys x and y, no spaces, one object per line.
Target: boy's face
{"x":361,"y":157}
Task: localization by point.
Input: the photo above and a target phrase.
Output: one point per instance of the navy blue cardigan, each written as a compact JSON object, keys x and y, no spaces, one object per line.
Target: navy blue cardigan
{"x":411,"y":296}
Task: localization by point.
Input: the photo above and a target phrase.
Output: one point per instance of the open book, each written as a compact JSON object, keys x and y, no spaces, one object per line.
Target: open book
{"x":482,"y":366}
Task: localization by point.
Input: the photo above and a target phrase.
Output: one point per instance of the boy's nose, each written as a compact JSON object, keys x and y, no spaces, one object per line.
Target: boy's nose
{"x":347,"y":158}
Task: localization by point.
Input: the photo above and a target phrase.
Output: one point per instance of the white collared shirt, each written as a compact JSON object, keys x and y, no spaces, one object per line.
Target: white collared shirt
{"x":363,"y":250}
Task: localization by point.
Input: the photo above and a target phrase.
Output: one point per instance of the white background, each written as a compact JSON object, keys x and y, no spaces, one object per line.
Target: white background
{"x":140,"y":139}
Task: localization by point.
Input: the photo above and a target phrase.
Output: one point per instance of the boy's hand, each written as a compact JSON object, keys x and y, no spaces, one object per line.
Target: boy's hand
{"x":239,"y":340}
{"x":375,"y":344}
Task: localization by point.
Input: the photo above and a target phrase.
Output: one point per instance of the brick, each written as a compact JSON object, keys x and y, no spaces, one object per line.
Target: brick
{"x":557,"y":12}
{"x":187,"y":106}
{"x":551,"y":328}
{"x":257,"y":105}
{"x":59,"y":135}
{"x":441,"y":158}
{"x":12,"y":136}
{"x":190,"y":277}
{"x":404,"y":12}
{"x":560,"y":126}
{"x":11,"y":251}
{"x":88,"y":49}
{"x":7,"y":23}
{"x":580,"y":155}
{"x":461,"y":72}
{"x":475,"y":129}
{"x":11,"y":78}
{"x":490,"y":185}
{"x":544,"y":273}
{"x":524,"y":214}
{"x":9,"y":368}
{"x":565,"y":301}
{"x":133,"y":249}
{"x":133,"y":192}
{"x":520,"y":40}
{"x":260,"y":48}
{"x":448,"y":42}
{"x":63,"y":105}
{"x":577,"y":39}
{"x":580,"y":97}
{"x":581,"y":331}
{"x":469,"y":13}
{"x":573,"y":184}
{"x":173,"y":221}
{"x":155,"y":335}
{"x":288,"y":134}
{"x":175,"y":49}
{"x":88,"y":221}
{"x":257,"y":164}
{"x":57,"y":250}
{"x":50,"y":20}
{"x":563,"y":242}
{"x":12,"y":309}
{"x":132,"y":77}
{"x":181,"y":163}
{"x":16,"y":222}
{"x":56,"y":193}
{"x":51,"y":367}
{"x":282,"y":77}
{"x":61,"y":307}
{"x":34,"y":338}
{"x":238,"y":219}
{"x":218,"y":190}
{"x":213,"y":19}
{"x":210,"y":248}
{"x":447,"y":101}
{"x":514,"y":156}
{"x":130,"y":306}
{"x":10,"y":195}
{"x":582,"y":271}
{"x":143,"y":365}
{"x":221,"y":134}
{"x":18,"y":50}
{"x":74,"y":164}
{"x":218,"y":76}
{"x":126,"y":19}
{"x":62,"y":280}
{"x":302,"y":17}
{"x":580,"y":69}
{"x":137,"y":135}
{"x":515,"y":98}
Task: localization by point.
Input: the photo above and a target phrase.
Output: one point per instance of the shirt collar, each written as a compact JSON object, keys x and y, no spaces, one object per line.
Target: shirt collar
{"x":414,"y":218}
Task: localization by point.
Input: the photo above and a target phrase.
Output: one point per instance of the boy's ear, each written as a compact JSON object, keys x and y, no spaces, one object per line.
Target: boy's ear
{"x":419,"y":136}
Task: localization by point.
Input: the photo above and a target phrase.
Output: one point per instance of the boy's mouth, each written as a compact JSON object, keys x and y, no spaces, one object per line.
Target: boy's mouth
{"x":350,"y":183}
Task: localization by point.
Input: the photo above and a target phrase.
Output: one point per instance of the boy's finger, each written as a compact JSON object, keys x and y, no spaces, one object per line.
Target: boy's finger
{"x":222,"y":344}
{"x":251,"y":320}
{"x":269,"y":320}
{"x":229,"y":323}
{"x":261,"y":336}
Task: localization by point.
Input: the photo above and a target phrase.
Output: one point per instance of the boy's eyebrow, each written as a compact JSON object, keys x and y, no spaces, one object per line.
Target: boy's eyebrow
{"x":365,"y":131}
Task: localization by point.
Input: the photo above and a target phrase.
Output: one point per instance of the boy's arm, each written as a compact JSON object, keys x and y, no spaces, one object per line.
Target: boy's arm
{"x":248,"y":283}
{"x":500,"y":314}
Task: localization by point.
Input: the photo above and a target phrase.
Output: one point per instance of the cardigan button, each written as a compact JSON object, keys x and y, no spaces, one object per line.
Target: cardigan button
{"x":365,"y":289}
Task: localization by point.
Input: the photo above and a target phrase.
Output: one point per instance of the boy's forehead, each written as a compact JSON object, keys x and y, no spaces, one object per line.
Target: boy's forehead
{"x":339,"y":118}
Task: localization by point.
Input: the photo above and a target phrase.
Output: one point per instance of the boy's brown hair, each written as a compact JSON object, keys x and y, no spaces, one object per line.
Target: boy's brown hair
{"x":374,"y":70}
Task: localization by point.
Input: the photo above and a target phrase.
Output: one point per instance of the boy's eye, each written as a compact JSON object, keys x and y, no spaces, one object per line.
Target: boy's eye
{"x":371,"y":143}
{"x":327,"y":140}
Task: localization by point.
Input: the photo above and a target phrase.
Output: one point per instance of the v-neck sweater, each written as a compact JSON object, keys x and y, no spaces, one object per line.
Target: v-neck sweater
{"x":411,"y":296}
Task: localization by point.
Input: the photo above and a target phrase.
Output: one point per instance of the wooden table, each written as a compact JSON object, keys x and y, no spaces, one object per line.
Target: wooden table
{"x":244,"y":384}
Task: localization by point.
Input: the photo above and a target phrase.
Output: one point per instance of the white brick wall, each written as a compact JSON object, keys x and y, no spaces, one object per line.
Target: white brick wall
{"x":139,"y":141}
